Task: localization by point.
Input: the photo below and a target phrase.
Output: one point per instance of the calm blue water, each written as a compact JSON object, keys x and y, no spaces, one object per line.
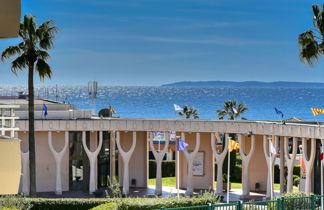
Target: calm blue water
{"x":157,"y":102}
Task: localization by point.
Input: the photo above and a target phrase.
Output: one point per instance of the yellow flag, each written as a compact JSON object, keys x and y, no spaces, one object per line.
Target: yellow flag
{"x":233,"y":145}
{"x":317,"y":111}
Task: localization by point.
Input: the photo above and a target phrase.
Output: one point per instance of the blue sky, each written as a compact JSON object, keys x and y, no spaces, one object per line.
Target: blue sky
{"x":153,"y":42}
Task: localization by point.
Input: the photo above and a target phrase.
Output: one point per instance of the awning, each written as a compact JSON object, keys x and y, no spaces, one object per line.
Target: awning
{"x":9,"y":18}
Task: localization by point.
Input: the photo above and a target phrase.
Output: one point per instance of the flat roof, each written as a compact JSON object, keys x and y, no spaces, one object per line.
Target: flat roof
{"x":24,"y":101}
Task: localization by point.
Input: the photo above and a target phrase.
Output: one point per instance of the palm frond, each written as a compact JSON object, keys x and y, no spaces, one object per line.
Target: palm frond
{"x":10,"y":52}
{"x":19,"y":63}
{"x":43,"y":55}
{"x":43,"y":69}
{"x":308,"y":46}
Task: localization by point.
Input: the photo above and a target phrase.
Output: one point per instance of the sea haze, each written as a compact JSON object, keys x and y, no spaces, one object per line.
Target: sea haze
{"x":157,"y":102}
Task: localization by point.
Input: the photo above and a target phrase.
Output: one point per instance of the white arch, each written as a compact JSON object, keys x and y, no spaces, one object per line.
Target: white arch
{"x":92,"y":156}
{"x":219,"y":157}
{"x":273,"y":158}
{"x":158,"y":158}
{"x":190,"y":157}
{"x":58,"y":156}
{"x":246,"y":163}
{"x":290,"y":159}
{"x":126,"y":157}
{"x":309,"y":163}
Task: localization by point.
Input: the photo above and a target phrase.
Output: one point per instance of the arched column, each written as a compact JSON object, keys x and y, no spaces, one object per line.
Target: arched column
{"x":273,"y":158}
{"x":309,"y":163}
{"x":92,"y":156}
{"x":58,"y":156}
{"x":159,"y":158}
{"x":126,"y":157}
{"x":290,"y":159}
{"x":246,"y":163}
{"x":219,"y":157}
{"x":25,"y":172}
{"x":190,"y":157}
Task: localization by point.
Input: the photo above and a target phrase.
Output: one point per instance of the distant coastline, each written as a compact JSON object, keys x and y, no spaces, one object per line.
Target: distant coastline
{"x":246,"y":84}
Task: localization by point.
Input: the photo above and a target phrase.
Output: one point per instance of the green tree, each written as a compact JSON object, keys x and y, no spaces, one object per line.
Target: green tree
{"x":311,"y":45}
{"x":189,"y":112}
{"x":228,"y":110}
{"x":232,"y":110}
{"x":31,"y":55}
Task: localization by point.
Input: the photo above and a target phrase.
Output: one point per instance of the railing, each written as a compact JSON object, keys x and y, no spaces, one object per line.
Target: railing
{"x":7,"y":120}
{"x":314,"y":202}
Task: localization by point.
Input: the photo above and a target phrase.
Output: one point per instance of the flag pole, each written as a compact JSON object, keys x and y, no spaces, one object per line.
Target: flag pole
{"x":228,"y":169}
{"x":270,"y":169}
{"x":178,"y":170}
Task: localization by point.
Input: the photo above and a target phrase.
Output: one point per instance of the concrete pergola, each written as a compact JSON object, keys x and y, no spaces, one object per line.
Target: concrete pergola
{"x":9,"y":18}
{"x":133,"y":138}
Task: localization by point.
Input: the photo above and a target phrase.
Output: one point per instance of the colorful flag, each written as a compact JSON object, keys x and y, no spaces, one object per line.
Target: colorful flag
{"x":234,"y":110}
{"x":45,"y":110}
{"x":112,"y":110}
{"x":279,"y":112}
{"x":233,"y":145}
{"x":317,"y":111}
{"x":182,"y":145}
{"x":272,"y":149}
{"x":177,"y":108}
{"x":302,"y":164}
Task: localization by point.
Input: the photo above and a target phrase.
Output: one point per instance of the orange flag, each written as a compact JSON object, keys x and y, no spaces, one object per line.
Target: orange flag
{"x":233,"y":145}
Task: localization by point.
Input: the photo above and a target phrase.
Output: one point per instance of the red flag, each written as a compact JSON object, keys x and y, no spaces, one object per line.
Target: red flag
{"x":321,"y":156}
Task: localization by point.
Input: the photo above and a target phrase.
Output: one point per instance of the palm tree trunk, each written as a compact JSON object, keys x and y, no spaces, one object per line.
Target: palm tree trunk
{"x":31,"y":134}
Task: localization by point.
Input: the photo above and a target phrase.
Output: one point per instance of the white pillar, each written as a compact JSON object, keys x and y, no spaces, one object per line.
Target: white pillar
{"x":126,"y":158}
{"x":290,"y":159}
{"x":309,"y":163}
{"x":58,"y":156}
{"x":246,"y":163}
{"x":282,"y":166}
{"x":190,"y":157}
{"x":273,"y":158}
{"x":92,"y":156}
{"x":25,"y":173}
{"x":159,"y":158}
{"x":219,"y":157}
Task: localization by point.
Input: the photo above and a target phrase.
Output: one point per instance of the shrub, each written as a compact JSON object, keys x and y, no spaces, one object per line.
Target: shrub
{"x":106,"y":206}
{"x":296,"y":172}
{"x":157,"y":203}
{"x":14,"y":202}
{"x":296,"y":180}
{"x":65,"y":203}
{"x":301,"y":200}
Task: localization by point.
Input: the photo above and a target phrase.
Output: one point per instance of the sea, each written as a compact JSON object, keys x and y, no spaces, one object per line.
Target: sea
{"x":157,"y":102}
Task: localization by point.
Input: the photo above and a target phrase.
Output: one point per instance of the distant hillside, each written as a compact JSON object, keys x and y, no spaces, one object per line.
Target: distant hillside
{"x":254,"y":84}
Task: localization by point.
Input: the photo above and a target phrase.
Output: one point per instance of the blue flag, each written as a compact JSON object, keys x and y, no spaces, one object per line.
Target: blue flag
{"x":182,"y":145}
{"x":279,"y":112}
{"x":45,"y":110}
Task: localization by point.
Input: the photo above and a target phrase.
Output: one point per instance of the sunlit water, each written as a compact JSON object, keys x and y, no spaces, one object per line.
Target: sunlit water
{"x":157,"y":102}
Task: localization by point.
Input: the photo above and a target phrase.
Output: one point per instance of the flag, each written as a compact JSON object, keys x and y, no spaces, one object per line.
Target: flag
{"x":317,"y":111}
{"x":272,"y":149}
{"x":234,"y":110}
{"x":233,"y":145}
{"x":177,"y":108}
{"x":45,"y":110}
{"x":279,"y":112}
{"x":321,"y":156}
{"x":182,"y":145}
{"x":302,"y":164}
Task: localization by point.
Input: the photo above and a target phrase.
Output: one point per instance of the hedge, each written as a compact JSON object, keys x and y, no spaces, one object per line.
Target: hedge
{"x":65,"y":203}
{"x":157,"y":203}
{"x":106,"y":206}
{"x":122,"y":203}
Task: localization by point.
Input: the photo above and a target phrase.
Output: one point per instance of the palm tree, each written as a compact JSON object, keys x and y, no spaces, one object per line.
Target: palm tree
{"x":189,"y":112}
{"x":231,"y":110}
{"x":311,"y":42}
{"x":31,"y":54}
